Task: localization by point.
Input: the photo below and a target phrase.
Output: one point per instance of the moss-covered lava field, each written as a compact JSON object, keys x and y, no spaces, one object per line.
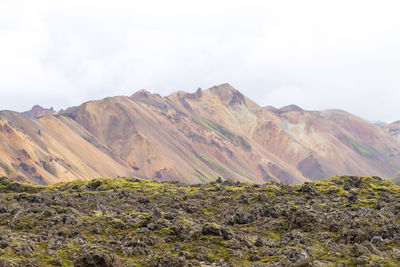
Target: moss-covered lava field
{"x":344,"y":220}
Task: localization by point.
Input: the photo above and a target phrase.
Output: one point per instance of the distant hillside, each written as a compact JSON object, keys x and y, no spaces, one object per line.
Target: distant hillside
{"x":393,"y":129}
{"x":193,"y":137}
{"x":396,"y":178}
{"x":342,"y":221}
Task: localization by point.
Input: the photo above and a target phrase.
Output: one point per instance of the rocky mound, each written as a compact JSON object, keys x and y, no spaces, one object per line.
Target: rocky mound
{"x":38,"y":111}
{"x":343,"y":220}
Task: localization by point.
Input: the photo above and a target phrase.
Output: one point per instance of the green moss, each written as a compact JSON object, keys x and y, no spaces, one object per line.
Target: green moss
{"x":231,"y":189}
{"x":242,"y":173}
{"x":224,"y":133}
{"x":67,"y":263}
{"x":243,"y":143}
{"x":359,"y":148}
{"x":218,"y":251}
{"x":211,"y":163}
{"x":271,"y":188}
{"x":367,"y":203}
{"x":123,"y":219}
{"x":164,"y":231}
{"x":328,"y":189}
{"x":274,"y":235}
{"x":9,"y":170}
{"x":198,"y":176}
{"x":203,"y":174}
{"x":221,"y":130}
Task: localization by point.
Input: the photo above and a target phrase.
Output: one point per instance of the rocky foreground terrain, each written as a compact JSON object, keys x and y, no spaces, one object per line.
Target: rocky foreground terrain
{"x":340,"y":221}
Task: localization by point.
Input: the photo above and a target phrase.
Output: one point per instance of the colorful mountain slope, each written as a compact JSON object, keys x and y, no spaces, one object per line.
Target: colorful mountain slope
{"x":197,"y":137}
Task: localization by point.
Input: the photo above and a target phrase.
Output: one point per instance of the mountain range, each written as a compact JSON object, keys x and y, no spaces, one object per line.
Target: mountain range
{"x":193,"y":137}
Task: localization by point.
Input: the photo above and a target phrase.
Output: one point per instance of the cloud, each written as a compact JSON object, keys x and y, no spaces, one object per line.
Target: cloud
{"x":316,"y":54}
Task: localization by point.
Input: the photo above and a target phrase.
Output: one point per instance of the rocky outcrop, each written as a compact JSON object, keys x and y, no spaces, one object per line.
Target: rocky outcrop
{"x":38,"y":111}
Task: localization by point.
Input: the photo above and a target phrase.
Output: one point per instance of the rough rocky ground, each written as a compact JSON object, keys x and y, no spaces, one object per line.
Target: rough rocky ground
{"x":340,"y":221}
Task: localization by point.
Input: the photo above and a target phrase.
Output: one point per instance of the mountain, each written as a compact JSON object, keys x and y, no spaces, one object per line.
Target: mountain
{"x":193,"y":137}
{"x":393,"y":129}
{"x":342,"y":221}
{"x":51,"y":149}
{"x":38,"y":111}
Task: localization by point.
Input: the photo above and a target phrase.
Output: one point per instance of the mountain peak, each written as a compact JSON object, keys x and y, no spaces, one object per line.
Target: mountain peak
{"x":38,"y":111}
{"x":223,"y":88}
{"x":228,"y":94}
{"x":140,"y":94}
{"x":291,"y":108}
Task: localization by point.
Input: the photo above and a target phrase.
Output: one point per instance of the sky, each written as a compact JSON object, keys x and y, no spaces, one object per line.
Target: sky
{"x":315,"y":54}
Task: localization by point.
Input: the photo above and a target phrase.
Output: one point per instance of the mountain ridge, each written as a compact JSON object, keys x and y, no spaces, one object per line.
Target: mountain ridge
{"x":194,"y":137}
{"x":37,"y":111}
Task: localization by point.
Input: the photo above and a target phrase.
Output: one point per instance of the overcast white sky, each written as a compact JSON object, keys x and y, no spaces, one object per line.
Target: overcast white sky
{"x":316,"y":54}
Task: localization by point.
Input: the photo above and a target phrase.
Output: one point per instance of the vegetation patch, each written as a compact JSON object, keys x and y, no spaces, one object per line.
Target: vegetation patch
{"x":211,"y":163}
{"x":224,"y":133}
{"x":9,"y":170}
{"x":358,"y":147}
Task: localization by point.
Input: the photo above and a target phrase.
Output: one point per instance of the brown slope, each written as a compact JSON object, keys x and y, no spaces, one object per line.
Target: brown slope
{"x":50,"y":150}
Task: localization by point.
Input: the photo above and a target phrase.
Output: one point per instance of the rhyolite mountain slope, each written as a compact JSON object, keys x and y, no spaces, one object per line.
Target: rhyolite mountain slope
{"x":393,"y":129}
{"x":51,"y":149}
{"x":194,"y":137}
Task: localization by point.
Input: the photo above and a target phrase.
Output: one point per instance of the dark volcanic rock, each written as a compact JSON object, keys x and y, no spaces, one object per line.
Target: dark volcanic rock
{"x":166,"y":259}
{"x":340,"y":221}
{"x":2,"y":209}
{"x":97,"y":259}
{"x":243,"y":217}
